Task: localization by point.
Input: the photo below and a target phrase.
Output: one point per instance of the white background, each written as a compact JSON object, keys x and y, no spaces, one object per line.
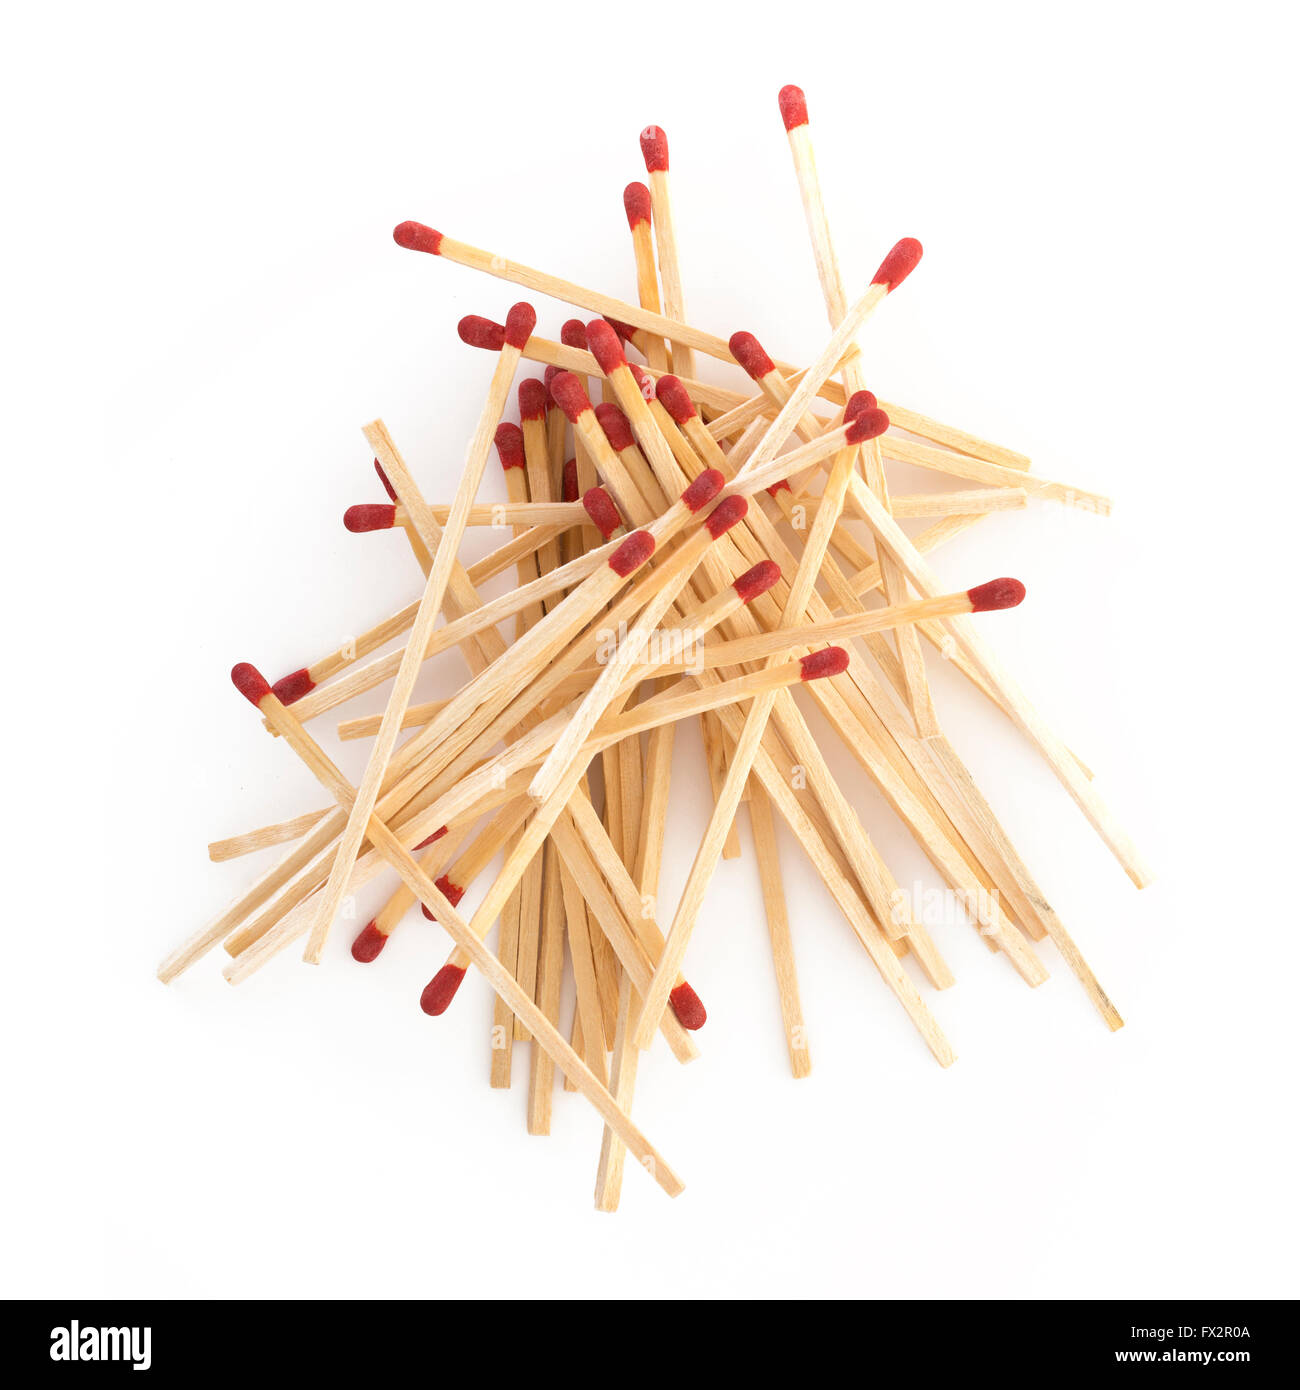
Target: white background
{"x":203,"y":304}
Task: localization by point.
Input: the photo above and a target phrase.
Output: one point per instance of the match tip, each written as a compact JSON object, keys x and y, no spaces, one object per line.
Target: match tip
{"x":250,"y":683}
{"x":869,"y":425}
{"x":415,"y":236}
{"x":520,"y":322}
{"x":453,"y":892}
{"x":509,"y":440}
{"x":725,"y":515}
{"x":687,"y":1006}
{"x":860,"y":402}
{"x":614,"y":423}
{"x":573,"y":333}
{"x":673,"y":396}
{"x":605,"y":347}
{"x":370,"y":516}
{"x":632,"y":554}
{"x":441,"y":990}
{"x":370,"y":941}
{"x":794,"y":108}
{"x":626,"y":331}
{"x":600,"y":507}
{"x":757,"y":580}
{"x":569,"y":481}
{"x":532,"y":399}
{"x":997,"y":593}
{"x":748,"y":351}
{"x":425,"y":843}
{"x":479,"y":332}
{"x":569,"y":394}
{"x":899,"y":264}
{"x":654,"y":149}
{"x":703,"y":490}
{"x":781,"y":485}
{"x":293,"y":686}
{"x":636,"y":203}
{"x":383,"y":478}
{"x":830,"y":661}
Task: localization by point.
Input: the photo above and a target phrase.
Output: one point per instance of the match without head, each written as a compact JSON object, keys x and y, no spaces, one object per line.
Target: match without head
{"x":869,"y":425}
{"x":748,"y":351}
{"x":453,"y":892}
{"x":794,"y":109}
{"x":293,"y":686}
{"x":687,"y":1006}
{"x":703,"y":490}
{"x":415,"y":236}
{"x":604,"y":345}
{"x":569,"y":394}
{"x":441,"y":990}
{"x":250,"y":682}
{"x":997,"y":593}
{"x":636,"y":203}
{"x":830,"y":661}
{"x":509,"y":440}
{"x":520,"y":322}
{"x":725,"y":515}
{"x":600,"y":507}
{"x":654,"y":150}
{"x":672,"y":395}
{"x":757,"y":580}
{"x":370,"y":516}
{"x":899,"y":264}
{"x":383,"y":478}
{"x":532,"y":399}
{"x":370,"y":941}
{"x":479,"y":332}
{"x":632,"y":554}
{"x":573,"y":333}
{"x":614,"y":423}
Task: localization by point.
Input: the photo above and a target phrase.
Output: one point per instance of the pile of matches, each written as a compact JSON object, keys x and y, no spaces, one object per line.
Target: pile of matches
{"x":680,"y":550}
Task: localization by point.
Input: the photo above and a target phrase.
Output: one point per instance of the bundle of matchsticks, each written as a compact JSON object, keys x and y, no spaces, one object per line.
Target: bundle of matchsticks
{"x":679,"y":549}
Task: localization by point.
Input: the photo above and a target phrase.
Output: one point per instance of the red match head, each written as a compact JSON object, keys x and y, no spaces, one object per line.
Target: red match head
{"x":624,"y":330}
{"x":686,"y":1005}
{"x":370,"y":516}
{"x":453,"y":892}
{"x":654,"y":149}
{"x":794,"y":109}
{"x":748,"y":351}
{"x":509,"y":440}
{"x":725,"y":515}
{"x":859,"y":402}
{"x":605,"y":347}
{"x":614,"y":423}
{"x":781,"y":485}
{"x":636,"y":203}
{"x":757,"y":580}
{"x":899,"y":264}
{"x":293,"y":686}
{"x":997,"y":593}
{"x":520,"y":322}
{"x":573,"y":333}
{"x":250,"y":683}
{"x":415,"y":236}
{"x":830,"y":661}
{"x":424,"y":844}
{"x":644,"y":381}
{"x":869,"y":425}
{"x":370,"y":941}
{"x":479,"y":332}
{"x":672,"y":396}
{"x":383,"y":478}
{"x":569,"y":394}
{"x":532,"y":399}
{"x":703,"y":490}
{"x":600,"y":507}
{"x":441,"y":990}
{"x":632,"y":554}
{"x":569,"y":481}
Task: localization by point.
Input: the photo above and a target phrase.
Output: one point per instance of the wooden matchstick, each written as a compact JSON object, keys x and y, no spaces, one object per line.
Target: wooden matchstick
{"x":654,"y":150}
